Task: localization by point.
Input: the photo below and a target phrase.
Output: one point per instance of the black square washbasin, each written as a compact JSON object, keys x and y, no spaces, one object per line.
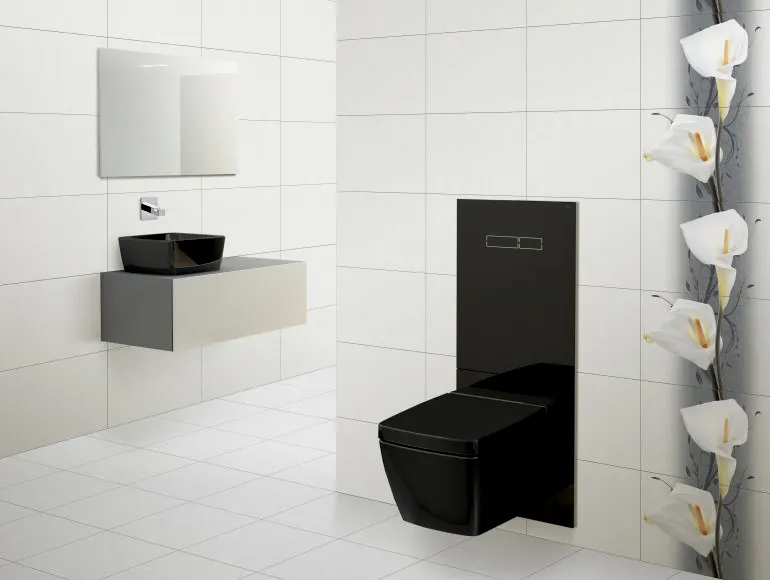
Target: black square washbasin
{"x":172,"y":254}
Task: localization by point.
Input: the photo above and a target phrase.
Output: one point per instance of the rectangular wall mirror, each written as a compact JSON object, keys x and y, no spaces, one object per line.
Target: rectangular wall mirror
{"x":162,"y":115}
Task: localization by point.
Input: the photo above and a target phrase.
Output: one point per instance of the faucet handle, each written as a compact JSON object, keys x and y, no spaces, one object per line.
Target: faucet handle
{"x":149,"y":210}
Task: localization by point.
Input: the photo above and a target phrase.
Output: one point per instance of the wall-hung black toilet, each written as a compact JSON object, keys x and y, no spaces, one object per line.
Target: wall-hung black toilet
{"x":503,"y":444}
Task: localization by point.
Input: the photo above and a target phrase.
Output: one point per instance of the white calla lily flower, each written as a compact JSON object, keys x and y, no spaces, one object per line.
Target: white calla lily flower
{"x":689,"y":331}
{"x":689,"y":516}
{"x":714,"y":52}
{"x":715,"y":240}
{"x":717,"y":427}
{"x":689,"y":146}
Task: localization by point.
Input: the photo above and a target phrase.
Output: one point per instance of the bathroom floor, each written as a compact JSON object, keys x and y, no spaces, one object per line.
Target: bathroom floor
{"x":241,"y":488}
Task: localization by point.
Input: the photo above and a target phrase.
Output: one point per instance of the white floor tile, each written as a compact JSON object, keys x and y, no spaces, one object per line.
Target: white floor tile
{"x":274,"y":395}
{"x":146,"y":432}
{"x":588,"y":565}
{"x":323,"y":380}
{"x":322,"y":437}
{"x":336,"y":515}
{"x":267,"y":458}
{"x":396,"y":535}
{"x":205,"y":444}
{"x":211,"y":413}
{"x":13,"y":471}
{"x":96,"y":557}
{"x":259,"y":545}
{"x":430,"y":571}
{"x":195,"y":481}
{"x":74,"y":452}
{"x":181,"y":566}
{"x":504,"y":555}
{"x":184,"y":526}
{"x":132,"y":466}
{"x":39,"y":533}
{"x":116,"y":508}
{"x":270,"y":424}
{"x":324,"y":406}
{"x":16,"y":572}
{"x":54,"y":490}
{"x":317,"y":473}
{"x":11,"y":513}
{"x":263,"y":497}
{"x":341,"y":561}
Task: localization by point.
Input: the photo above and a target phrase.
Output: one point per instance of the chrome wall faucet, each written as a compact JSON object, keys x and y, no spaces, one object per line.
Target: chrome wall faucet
{"x":149,"y":210}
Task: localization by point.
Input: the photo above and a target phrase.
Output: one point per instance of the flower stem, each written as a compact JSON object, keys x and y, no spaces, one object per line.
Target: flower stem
{"x":718,"y":355}
{"x":720,"y":197}
{"x":718,"y":533}
{"x":715,"y":386}
{"x":715,"y":567}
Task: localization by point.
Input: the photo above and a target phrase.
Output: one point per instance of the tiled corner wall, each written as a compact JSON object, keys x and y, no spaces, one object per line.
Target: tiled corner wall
{"x":59,"y":221}
{"x":537,"y":99}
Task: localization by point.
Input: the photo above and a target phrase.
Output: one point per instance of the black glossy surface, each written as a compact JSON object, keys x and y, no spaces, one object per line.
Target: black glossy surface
{"x":171,"y":253}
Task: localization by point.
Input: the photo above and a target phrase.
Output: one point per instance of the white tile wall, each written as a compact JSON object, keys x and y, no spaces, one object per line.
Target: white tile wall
{"x":308,"y":216}
{"x":372,"y":18}
{"x":308,"y":153}
{"x":168,"y":21}
{"x":441,"y":375}
{"x":321,"y":273}
{"x":300,"y":78}
{"x":80,"y":16}
{"x":455,"y":15}
{"x":359,"y":466}
{"x":541,"y":12}
{"x":243,"y":25}
{"x":311,"y":346}
{"x":308,"y":29}
{"x":245,"y":363}
{"x":441,"y":314}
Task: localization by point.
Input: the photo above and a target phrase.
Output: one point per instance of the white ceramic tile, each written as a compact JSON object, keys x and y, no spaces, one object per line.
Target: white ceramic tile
{"x":322,"y":437}
{"x":382,"y":76}
{"x":308,"y":216}
{"x":430,"y":571}
{"x":588,"y":565}
{"x":503,"y":555}
{"x":557,"y":166}
{"x":475,"y":72}
{"x":146,"y":432}
{"x":483,"y":154}
{"x":184,"y":526}
{"x":211,"y":413}
{"x":336,"y":515}
{"x":267,"y":458}
{"x":381,"y":308}
{"x":115,"y":508}
{"x":38,"y":83}
{"x":232,"y":366}
{"x":183,"y":214}
{"x":13,"y":471}
{"x":372,"y":18}
{"x":396,"y":535}
{"x":308,"y":153}
{"x":259,"y":162}
{"x":609,"y":429}
{"x":82,"y":16}
{"x":322,"y":380}
{"x":54,"y":490}
{"x":194,"y":481}
{"x":49,"y":320}
{"x":308,"y":90}
{"x":52,"y":402}
{"x":365,"y":141}
{"x":273,"y":396}
{"x":454,"y":15}
{"x":242,"y":25}
{"x":263,"y":497}
{"x":11,"y":513}
{"x":74,"y":452}
{"x":259,"y":545}
{"x":132,"y":466}
{"x":604,"y":494}
{"x":270,"y":423}
{"x":96,"y":557}
{"x":609,"y":333}
{"x":375,"y":383}
{"x":323,"y":406}
{"x":145,"y":382}
{"x":65,"y":145}
{"x":321,"y":274}
{"x":205,"y":444}
{"x":311,"y":346}
{"x":39,"y":533}
{"x":17,"y":572}
{"x":320,"y":473}
{"x":441,"y":314}
{"x":341,"y":561}
{"x":563,"y":83}
{"x":381,"y":230}
{"x":64,"y":251}
{"x":308,"y":29}
{"x":248,"y":217}
{"x":542,"y":12}
{"x":167,"y":21}
{"x":441,"y":375}
{"x":181,"y":565}
{"x":359,"y":461}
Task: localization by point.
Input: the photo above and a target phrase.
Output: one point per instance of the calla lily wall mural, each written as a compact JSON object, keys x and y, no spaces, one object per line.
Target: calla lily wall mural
{"x":701,"y":517}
